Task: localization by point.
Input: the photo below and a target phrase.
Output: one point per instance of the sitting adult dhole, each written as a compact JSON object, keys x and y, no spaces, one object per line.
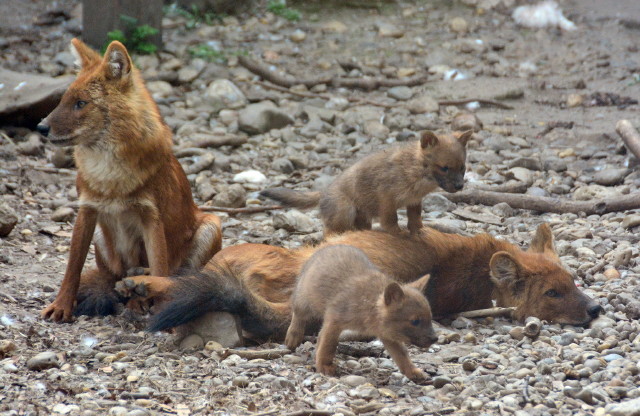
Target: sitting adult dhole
{"x":129,"y":184}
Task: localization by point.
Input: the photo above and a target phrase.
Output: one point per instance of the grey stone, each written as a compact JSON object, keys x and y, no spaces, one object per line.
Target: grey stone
{"x":526,"y":162}
{"x":401,"y":93}
{"x":43,"y":361}
{"x":628,"y":408}
{"x":441,"y":381}
{"x":437,"y":202}
{"x":222,"y":93}
{"x":63,"y":214}
{"x":374,"y":128}
{"x":630,"y":221}
{"x":221,"y":327}
{"x":262,"y":117}
{"x":192,"y":342}
{"x":521,"y":174}
{"x":466,"y":121}
{"x":233,"y":196}
{"x":8,"y":219}
{"x":423,"y":104}
{"x":314,"y":126}
{"x":283,"y":165}
{"x":554,"y":164}
{"x":611,"y":176}
{"x":588,"y":192}
{"x":33,"y":146}
{"x":293,"y":220}
{"x":353,"y":380}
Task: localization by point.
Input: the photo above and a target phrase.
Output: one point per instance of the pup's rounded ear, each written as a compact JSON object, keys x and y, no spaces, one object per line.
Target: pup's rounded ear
{"x":117,"y":62}
{"x":85,"y":57}
{"x":428,"y":139}
{"x":393,"y":293}
{"x":465,"y":137}
{"x":504,"y":268}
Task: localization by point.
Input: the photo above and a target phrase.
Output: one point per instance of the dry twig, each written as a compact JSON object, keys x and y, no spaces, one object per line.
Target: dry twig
{"x":270,"y":354}
{"x":547,"y":204}
{"x":630,"y":136}
{"x":480,"y":100}
{"x":484,"y":313}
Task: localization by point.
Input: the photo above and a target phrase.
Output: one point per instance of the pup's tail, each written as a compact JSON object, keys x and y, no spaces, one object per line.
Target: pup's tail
{"x":218,"y":289}
{"x":291,"y":198}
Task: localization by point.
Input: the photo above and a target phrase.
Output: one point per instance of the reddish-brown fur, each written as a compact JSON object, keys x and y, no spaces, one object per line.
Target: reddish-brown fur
{"x":466,"y":273}
{"x":129,"y":184}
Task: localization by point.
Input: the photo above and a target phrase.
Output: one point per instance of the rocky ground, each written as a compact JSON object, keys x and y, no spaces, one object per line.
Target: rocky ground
{"x":567,"y":90}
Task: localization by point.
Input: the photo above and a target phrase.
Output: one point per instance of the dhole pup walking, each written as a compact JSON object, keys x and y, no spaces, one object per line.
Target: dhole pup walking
{"x":379,"y":184}
{"x":129,"y":184}
{"x":340,"y":287}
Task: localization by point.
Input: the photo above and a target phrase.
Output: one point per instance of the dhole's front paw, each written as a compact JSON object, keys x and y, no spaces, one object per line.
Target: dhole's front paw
{"x":59,"y":310}
{"x":416,"y":375}
{"x":130,"y":288}
{"x":326,"y":369}
{"x":138,"y":271}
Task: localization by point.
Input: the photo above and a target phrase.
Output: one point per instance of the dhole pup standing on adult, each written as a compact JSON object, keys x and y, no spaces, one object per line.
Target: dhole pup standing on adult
{"x":129,"y":184}
{"x":340,"y":287}
{"x":379,"y":184}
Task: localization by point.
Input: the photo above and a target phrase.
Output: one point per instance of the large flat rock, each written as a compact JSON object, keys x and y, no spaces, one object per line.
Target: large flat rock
{"x":27,"y":98}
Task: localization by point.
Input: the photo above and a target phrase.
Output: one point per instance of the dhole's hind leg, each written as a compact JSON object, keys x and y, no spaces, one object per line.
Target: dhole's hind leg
{"x":414,"y":217}
{"x":96,"y":295}
{"x":295,"y":333}
{"x":206,"y":242}
{"x":327,"y":345}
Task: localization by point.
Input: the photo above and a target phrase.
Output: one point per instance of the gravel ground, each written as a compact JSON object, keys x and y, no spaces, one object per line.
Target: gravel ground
{"x":567,"y":89}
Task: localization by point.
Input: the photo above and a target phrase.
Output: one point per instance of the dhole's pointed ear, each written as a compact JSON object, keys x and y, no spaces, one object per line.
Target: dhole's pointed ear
{"x":393,"y":293}
{"x":428,"y":139}
{"x":465,"y":137}
{"x":543,"y":242}
{"x":421,"y":283}
{"x":85,"y":57}
{"x":117,"y":62}
{"x":504,"y":268}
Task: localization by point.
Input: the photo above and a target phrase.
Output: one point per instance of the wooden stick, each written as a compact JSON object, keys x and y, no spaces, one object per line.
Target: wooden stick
{"x":630,"y":136}
{"x":480,"y":100}
{"x":547,"y":204}
{"x":270,"y":354}
{"x":245,"y":210}
{"x":365,"y":83}
{"x":218,"y":141}
{"x":483,"y":313}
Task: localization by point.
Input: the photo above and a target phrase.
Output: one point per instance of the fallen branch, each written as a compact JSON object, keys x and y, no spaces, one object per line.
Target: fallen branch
{"x":218,"y":141}
{"x":510,"y":187}
{"x":359,"y":350}
{"x":630,"y":136}
{"x":245,"y":210}
{"x":359,"y":101}
{"x":270,"y":354}
{"x":480,"y":100}
{"x":484,"y":313}
{"x":532,"y":326}
{"x":365,"y":83}
{"x":547,"y":204}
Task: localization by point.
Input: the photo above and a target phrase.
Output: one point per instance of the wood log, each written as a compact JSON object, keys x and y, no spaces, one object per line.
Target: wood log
{"x":630,"y":136}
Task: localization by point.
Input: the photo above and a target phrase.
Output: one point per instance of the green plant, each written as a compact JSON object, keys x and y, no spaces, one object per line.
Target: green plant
{"x":135,"y":37}
{"x":279,"y":8}
{"x":194,"y":16}
{"x":207,"y":53}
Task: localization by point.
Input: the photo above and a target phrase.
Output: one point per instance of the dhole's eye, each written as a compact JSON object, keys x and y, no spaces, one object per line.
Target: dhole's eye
{"x":79,"y":104}
{"x":415,"y":322}
{"x":445,"y":169}
{"x":552,"y":293}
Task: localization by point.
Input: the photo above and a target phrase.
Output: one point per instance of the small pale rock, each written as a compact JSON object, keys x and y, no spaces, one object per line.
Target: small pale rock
{"x":611,"y":274}
{"x":222,"y":93}
{"x":353,"y":380}
{"x":33,"y":146}
{"x":401,"y":93}
{"x":6,"y":347}
{"x":526,"y":162}
{"x":221,"y":327}
{"x":574,"y":100}
{"x":459,"y":25}
{"x":631,"y":221}
{"x":466,"y":121}
{"x":628,"y":408}
{"x":250,"y":176}
{"x":63,"y":214}
{"x":441,"y":381}
{"x":517,"y":333}
{"x":406,"y":72}
{"x":240,"y":381}
{"x":566,"y":153}
{"x":521,"y":174}
{"x":232,"y":196}
{"x":192,"y":342}
{"x":298,"y":35}
{"x":43,"y":361}
{"x":389,"y":30}
{"x":611,"y":176}
{"x":423,"y":104}
{"x":262,"y":117}
{"x":293,"y":220}
{"x":374,"y":128}
{"x":187,"y":74}
{"x":334,"y":26}
{"x":118,"y":411}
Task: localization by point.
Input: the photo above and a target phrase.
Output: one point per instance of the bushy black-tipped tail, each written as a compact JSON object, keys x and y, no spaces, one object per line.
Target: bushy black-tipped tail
{"x":217,"y":289}
{"x":291,"y":198}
